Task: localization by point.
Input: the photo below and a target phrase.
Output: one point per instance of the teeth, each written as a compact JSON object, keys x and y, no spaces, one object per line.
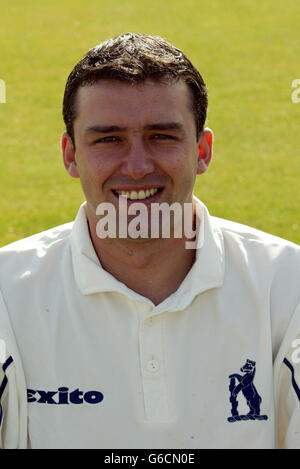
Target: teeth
{"x":140,"y":195}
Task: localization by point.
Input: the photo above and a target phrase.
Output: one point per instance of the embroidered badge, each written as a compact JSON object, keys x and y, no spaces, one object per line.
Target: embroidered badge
{"x":244,"y":383}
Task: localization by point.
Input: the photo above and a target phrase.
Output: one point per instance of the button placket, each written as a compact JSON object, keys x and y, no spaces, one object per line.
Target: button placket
{"x":153,"y":369}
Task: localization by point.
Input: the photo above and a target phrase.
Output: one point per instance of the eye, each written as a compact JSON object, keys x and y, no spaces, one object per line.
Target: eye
{"x":108,"y":139}
{"x":162,"y":137}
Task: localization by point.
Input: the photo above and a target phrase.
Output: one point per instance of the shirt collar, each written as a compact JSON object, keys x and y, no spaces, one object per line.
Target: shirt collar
{"x":206,"y":273}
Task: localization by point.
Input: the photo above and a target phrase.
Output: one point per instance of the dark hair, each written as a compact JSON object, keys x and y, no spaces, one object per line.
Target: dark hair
{"x":134,"y":58}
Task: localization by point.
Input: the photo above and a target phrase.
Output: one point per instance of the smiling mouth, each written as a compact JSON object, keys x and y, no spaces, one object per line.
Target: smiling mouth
{"x":142,"y":194}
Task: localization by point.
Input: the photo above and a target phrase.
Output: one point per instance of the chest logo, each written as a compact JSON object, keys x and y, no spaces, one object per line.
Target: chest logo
{"x":64,"y":396}
{"x":244,"y":384}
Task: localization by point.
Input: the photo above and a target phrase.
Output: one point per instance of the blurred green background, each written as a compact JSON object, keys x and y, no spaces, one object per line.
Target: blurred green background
{"x":248,"y":53}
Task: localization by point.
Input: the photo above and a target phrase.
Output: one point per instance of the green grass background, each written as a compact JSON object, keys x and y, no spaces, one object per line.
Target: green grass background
{"x":248,"y":53}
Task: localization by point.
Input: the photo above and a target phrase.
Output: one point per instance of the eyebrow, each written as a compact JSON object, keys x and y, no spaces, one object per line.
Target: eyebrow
{"x":104,"y":129}
{"x":165,"y":126}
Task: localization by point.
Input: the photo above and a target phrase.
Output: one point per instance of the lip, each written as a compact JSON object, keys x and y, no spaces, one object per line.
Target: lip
{"x":136,"y":188}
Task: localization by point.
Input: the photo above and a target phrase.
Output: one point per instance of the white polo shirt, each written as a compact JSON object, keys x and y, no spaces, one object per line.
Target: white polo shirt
{"x":89,"y":363}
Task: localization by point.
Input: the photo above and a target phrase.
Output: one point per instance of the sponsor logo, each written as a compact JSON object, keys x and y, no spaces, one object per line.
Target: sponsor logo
{"x":64,"y":396}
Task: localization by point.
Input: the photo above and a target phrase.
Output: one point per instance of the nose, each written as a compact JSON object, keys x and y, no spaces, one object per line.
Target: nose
{"x":137,"y":161}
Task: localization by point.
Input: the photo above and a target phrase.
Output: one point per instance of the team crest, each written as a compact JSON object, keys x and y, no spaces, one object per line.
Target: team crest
{"x":244,"y":384}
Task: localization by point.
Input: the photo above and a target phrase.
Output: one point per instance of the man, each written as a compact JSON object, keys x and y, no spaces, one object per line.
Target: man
{"x":111,"y":339}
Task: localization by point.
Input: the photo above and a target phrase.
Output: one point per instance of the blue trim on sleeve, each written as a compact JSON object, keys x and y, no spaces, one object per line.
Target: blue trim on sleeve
{"x":7,"y":363}
{"x":295,"y":385}
{"x":4,"y":383}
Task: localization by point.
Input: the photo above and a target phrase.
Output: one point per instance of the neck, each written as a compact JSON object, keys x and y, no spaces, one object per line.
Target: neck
{"x":153,"y":268}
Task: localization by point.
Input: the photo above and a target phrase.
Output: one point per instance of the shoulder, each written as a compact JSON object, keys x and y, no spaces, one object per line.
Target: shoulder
{"x":268,"y":264}
{"x":39,"y":242}
{"x":27,"y":254}
{"x":259,"y":252}
{"x":248,"y":236}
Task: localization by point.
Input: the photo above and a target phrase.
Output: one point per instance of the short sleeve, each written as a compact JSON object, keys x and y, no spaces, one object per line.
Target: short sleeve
{"x":13,"y":396}
{"x":9,"y":406}
{"x":287,"y":387}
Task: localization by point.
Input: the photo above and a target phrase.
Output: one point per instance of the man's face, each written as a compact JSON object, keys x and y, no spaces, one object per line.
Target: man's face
{"x":137,"y":142}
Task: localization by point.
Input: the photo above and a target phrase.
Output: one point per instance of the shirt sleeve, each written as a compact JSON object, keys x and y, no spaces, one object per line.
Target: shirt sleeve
{"x":9,"y":407}
{"x":287,"y":387}
{"x":13,"y":399}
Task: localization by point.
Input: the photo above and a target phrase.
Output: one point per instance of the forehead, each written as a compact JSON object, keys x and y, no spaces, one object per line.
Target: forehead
{"x":124,"y":104}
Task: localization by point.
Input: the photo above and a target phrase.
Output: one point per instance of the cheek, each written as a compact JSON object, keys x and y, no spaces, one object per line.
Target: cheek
{"x":186,"y":177}
{"x":94,"y":167}
{"x":184,"y":167}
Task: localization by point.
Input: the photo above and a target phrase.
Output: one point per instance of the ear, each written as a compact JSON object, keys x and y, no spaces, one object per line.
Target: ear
{"x":205,"y":150}
{"x":69,"y":155}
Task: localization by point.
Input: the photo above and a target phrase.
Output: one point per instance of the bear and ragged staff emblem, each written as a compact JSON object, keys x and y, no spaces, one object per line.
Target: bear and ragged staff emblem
{"x":244,"y":383}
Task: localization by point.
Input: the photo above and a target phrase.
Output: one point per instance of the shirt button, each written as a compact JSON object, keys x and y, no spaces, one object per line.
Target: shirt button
{"x":153,"y":366}
{"x":149,"y":321}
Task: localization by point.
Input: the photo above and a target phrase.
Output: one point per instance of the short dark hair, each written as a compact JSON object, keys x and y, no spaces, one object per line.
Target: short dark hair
{"x":134,"y":58}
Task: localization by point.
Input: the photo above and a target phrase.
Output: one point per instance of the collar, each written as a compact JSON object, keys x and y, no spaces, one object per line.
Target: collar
{"x":206,"y":273}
